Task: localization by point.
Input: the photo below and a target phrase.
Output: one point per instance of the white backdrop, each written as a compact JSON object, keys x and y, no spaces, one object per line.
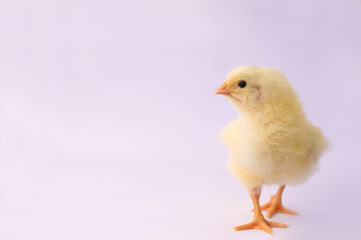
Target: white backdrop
{"x":109,"y":125}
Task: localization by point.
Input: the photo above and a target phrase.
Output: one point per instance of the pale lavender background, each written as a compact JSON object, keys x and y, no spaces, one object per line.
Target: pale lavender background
{"x":109,"y":124}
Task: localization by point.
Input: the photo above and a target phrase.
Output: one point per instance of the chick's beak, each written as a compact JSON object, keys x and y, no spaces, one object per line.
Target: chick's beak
{"x":223,"y":90}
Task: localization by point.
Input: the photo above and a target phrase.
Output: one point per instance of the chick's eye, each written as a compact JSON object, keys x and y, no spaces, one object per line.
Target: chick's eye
{"x":242,"y":84}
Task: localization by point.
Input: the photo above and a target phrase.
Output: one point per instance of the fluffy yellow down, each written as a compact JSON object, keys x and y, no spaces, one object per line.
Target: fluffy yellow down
{"x":271,"y":142}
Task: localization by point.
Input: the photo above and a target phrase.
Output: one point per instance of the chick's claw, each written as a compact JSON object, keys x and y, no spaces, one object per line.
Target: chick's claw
{"x":275,"y":206}
{"x":261,"y":224}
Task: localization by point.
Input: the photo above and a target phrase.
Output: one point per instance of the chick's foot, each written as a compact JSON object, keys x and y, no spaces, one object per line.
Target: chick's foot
{"x":262,"y":224}
{"x":275,"y":205}
{"x":258,"y":220}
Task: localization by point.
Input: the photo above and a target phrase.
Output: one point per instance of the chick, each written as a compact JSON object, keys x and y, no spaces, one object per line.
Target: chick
{"x":271,"y":142}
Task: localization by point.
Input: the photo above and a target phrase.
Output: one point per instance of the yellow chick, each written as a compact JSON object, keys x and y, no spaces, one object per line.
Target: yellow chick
{"x":271,"y":142}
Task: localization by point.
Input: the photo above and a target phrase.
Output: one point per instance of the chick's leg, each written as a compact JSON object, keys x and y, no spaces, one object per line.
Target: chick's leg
{"x":275,"y":204}
{"x":258,"y":220}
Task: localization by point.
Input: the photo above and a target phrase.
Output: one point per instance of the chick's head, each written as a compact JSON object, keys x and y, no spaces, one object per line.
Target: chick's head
{"x":250,"y":88}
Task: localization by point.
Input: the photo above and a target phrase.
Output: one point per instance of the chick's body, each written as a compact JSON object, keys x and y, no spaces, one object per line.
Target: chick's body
{"x":274,"y":153}
{"x":271,"y":142}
